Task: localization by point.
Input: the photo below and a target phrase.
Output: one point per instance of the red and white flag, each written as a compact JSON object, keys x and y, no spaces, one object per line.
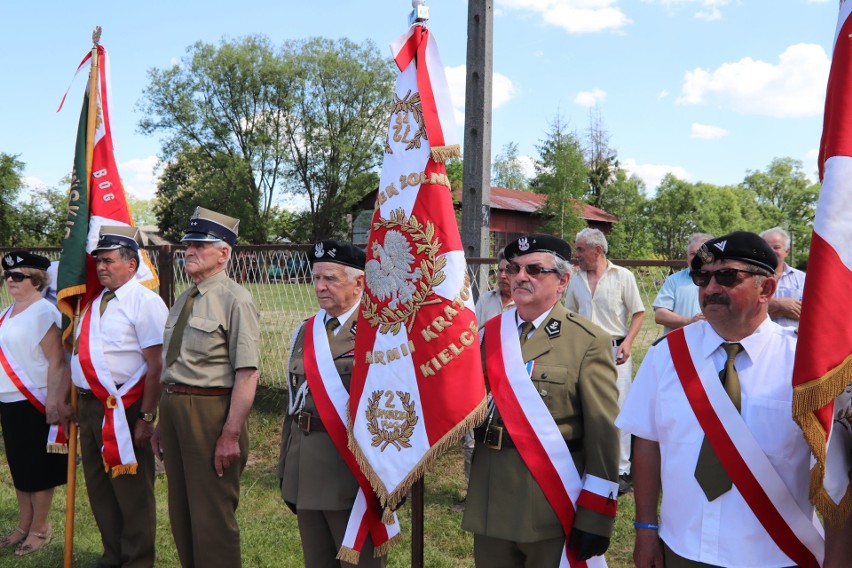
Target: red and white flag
{"x":823,"y":369}
{"x":417,"y":382}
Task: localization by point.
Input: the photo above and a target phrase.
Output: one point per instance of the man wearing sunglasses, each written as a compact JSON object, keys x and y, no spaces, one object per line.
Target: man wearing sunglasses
{"x":552,"y":381}
{"x":711,"y":415}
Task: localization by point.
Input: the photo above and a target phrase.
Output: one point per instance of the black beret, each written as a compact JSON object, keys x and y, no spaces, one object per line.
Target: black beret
{"x":339,"y":253}
{"x":538,"y":243}
{"x":24,"y":259}
{"x":740,"y":245}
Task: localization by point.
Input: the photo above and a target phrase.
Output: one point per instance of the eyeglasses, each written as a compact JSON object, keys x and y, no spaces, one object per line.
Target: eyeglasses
{"x":724,"y":277}
{"x":532,"y":269}
{"x":15,"y":276}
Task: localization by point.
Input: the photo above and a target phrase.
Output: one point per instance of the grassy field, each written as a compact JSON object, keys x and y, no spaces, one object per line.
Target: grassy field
{"x":270,"y":537}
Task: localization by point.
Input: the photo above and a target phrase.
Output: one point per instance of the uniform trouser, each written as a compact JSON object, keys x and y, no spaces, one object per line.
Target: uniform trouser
{"x":322,"y":534}
{"x":498,"y":553}
{"x":623,"y":381}
{"x":124,"y":507}
{"x":202,"y":505}
{"x":469,"y":444}
{"x":673,"y":560}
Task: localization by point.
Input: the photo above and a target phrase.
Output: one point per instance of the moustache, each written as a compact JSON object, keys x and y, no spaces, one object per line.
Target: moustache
{"x":522,"y":287}
{"x":716,"y":299}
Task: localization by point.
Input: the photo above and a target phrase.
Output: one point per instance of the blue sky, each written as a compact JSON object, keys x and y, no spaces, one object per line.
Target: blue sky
{"x":706,"y":89}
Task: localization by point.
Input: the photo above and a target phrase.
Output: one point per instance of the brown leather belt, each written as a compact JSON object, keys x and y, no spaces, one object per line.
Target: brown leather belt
{"x":307,"y":422}
{"x":175,"y":388}
{"x":497,"y":437}
{"x":85,"y":393}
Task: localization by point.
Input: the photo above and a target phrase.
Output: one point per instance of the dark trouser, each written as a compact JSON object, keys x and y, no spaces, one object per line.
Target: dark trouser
{"x":322,"y":534}
{"x":124,"y":507}
{"x":672,"y":560}
{"x":498,"y":553}
{"x":202,"y":505}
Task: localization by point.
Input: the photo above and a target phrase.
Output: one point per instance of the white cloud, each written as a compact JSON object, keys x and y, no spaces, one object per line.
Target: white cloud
{"x":574,"y":16}
{"x":527,"y":166}
{"x":662,"y":95}
{"x":590,"y":98}
{"x":709,"y":10}
{"x":653,"y":174}
{"x":33,"y":183}
{"x":706,"y":131}
{"x":502,"y":90}
{"x":138,"y":177}
{"x":793,"y":87}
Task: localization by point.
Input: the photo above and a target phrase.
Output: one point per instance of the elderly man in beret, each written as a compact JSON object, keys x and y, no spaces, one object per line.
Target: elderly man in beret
{"x":209,"y":381}
{"x":116,"y":367}
{"x":317,"y":484}
{"x":711,"y":416}
{"x":543,"y":482}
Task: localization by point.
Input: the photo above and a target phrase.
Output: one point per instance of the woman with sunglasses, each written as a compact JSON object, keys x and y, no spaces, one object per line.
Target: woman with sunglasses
{"x":31,"y":357}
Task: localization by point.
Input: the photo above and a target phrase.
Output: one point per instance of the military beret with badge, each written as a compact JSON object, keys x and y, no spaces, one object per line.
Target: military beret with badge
{"x":24,"y":259}
{"x":743,"y":246}
{"x":537,"y":242}
{"x":338,"y":252}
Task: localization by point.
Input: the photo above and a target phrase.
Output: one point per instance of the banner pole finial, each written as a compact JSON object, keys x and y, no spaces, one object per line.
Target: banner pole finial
{"x":96,"y":35}
{"x":420,"y":13}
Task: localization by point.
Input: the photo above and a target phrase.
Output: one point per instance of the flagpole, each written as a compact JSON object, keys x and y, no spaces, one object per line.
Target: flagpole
{"x":72,"y":441}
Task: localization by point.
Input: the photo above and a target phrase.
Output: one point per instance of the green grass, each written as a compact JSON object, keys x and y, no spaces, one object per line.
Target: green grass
{"x":270,"y":537}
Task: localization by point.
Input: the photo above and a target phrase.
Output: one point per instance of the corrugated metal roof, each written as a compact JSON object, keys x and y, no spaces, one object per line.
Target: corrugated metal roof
{"x":529,"y":202}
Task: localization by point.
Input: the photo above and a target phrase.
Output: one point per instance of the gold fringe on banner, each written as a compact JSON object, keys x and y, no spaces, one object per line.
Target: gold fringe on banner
{"x":346,"y":554}
{"x":129,"y":469}
{"x":383,"y":549}
{"x":443,"y":153}
{"x":54,"y":448}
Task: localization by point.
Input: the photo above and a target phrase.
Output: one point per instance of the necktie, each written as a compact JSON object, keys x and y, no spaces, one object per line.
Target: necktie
{"x":709,"y":473}
{"x":330,"y":325}
{"x":526,"y":328}
{"x":108,"y":295}
{"x":180,"y":326}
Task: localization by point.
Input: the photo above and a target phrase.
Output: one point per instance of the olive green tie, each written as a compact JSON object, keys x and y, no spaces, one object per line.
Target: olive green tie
{"x":526,"y":328}
{"x":180,"y":326}
{"x":709,"y":473}
{"x":330,"y":325}
{"x":108,"y":295}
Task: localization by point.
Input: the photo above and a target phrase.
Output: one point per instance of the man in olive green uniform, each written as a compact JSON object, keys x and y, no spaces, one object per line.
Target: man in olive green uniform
{"x":568,"y":407}
{"x":209,"y":381}
{"x":316,"y":483}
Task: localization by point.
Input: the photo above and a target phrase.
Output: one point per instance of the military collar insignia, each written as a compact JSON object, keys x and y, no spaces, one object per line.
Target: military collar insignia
{"x":553,"y":328}
{"x":318,"y":250}
{"x":354,"y":326}
{"x":523,"y":243}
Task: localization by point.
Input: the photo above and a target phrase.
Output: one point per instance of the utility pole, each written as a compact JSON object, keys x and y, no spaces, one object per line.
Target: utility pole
{"x":476,"y":188}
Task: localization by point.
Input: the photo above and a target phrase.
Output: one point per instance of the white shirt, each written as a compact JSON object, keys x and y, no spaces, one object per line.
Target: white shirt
{"x":723,"y":532}
{"x":21,"y":336}
{"x":791,"y":284}
{"x":134,"y":320}
{"x":615,"y":301}
{"x":490,"y":304}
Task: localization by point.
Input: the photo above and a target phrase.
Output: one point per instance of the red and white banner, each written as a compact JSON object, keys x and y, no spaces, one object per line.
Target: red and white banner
{"x":332,"y":400}
{"x":537,"y":437}
{"x":744,"y":461}
{"x":823,"y":370}
{"x":417,"y":382}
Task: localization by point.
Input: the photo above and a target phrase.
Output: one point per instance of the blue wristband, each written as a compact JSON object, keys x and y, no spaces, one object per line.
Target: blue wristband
{"x":649,"y":526}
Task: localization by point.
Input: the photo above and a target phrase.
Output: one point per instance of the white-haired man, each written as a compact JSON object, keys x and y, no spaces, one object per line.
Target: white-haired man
{"x":785,"y":308}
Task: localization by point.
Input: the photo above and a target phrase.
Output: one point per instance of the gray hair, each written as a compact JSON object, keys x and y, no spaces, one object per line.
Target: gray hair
{"x":594,"y":237}
{"x":352,"y":273}
{"x":501,"y":255}
{"x":698,"y":237}
{"x":777,"y":231}
{"x":127,"y":254}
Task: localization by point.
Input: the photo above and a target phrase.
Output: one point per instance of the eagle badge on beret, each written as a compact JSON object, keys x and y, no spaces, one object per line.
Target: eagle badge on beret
{"x":319,"y":252}
{"x":523,"y":243}
{"x":705,"y":255}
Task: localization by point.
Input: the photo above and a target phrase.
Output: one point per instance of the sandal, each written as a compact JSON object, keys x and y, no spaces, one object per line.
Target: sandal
{"x":43,"y":540}
{"x":10,"y":540}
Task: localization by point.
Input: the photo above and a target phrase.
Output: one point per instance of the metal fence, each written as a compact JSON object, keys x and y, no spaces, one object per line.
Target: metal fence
{"x":279,"y":279}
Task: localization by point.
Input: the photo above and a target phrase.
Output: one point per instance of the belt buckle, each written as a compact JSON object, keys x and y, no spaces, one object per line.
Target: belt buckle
{"x":303,"y":420}
{"x":493,"y":437}
{"x":170,"y":388}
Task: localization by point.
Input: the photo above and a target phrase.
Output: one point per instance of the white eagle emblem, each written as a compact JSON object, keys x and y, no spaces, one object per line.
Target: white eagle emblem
{"x":318,"y":250}
{"x":389,"y":274}
{"x":523,"y":243}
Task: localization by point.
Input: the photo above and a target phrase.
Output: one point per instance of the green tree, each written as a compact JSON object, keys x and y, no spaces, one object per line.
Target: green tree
{"x":508,"y":170}
{"x":142,"y":210}
{"x":562,"y":176}
{"x":40,"y":220}
{"x":602,"y":160}
{"x":625,"y":198}
{"x":11,"y":170}
{"x":672,"y":216}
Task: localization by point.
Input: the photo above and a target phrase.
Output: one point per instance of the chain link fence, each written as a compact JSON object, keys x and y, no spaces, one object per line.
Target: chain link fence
{"x":279,"y":279}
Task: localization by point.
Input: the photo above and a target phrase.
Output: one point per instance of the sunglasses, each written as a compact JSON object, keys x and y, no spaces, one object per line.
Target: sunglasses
{"x":15,"y":276}
{"x":724,"y":277}
{"x":531,"y":269}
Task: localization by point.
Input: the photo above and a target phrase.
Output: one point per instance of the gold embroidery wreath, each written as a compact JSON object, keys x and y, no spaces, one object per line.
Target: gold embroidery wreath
{"x":398,"y":438}
{"x":431,"y":269}
{"x":408,"y":104}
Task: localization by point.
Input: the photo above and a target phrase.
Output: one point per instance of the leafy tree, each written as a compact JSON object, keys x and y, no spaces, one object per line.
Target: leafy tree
{"x":625,"y":198}
{"x":508,"y":170}
{"x":562,"y":176}
{"x":672,"y":216}
{"x":11,"y":170}
{"x":602,"y":160}
{"x":142,"y":210}
{"x":40,"y":220}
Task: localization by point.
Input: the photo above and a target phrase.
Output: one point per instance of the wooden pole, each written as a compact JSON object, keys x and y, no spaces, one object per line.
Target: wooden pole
{"x":417,"y":523}
{"x":91,"y":122}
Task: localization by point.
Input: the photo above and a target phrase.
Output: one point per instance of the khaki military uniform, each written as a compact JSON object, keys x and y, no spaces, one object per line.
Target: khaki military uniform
{"x":316,"y":482}
{"x":575,"y":375}
{"x":221,"y":336}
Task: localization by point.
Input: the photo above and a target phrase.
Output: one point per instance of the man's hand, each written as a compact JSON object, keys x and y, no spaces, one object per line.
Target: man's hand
{"x":156,"y":445}
{"x":623,"y":352}
{"x":142,"y":433}
{"x":648,"y":550}
{"x":785,"y":307}
{"x":227,"y":452}
{"x":586,"y":545}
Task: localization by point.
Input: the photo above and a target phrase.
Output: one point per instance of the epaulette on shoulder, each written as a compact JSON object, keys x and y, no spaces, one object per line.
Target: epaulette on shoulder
{"x":582,"y":323}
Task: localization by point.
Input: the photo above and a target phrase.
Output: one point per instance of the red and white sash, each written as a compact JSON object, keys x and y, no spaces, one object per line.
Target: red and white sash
{"x":537,"y":437}
{"x":332,"y":399}
{"x":57,"y":442}
{"x":117,"y":451}
{"x":743,"y":459}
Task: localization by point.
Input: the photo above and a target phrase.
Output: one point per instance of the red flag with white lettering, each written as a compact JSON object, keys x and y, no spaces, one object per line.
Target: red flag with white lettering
{"x":417,"y":382}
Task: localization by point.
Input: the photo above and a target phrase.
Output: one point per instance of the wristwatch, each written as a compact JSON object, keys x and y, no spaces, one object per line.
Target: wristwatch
{"x":148,"y":416}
